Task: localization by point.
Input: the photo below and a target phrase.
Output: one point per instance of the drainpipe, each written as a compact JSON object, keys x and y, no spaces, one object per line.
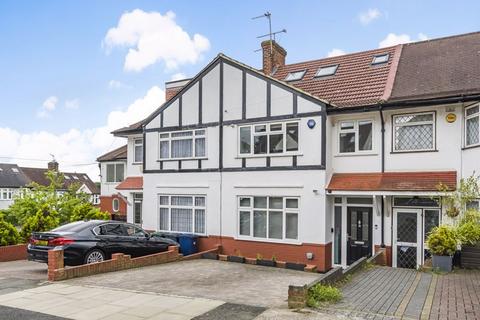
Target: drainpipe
{"x":383,"y":170}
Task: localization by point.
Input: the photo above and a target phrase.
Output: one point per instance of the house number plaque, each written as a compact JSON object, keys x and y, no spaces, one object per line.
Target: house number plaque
{"x":451,"y":117}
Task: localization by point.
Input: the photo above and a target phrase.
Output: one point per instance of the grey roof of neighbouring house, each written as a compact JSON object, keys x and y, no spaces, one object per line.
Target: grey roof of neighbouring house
{"x":11,"y":176}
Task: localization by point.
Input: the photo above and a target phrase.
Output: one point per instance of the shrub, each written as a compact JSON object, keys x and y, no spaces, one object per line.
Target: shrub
{"x":469,"y":228}
{"x":86,"y":211}
{"x":442,"y":240}
{"x":320,"y":293}
{"x":8,"y":233}
{"x":43,"y":220}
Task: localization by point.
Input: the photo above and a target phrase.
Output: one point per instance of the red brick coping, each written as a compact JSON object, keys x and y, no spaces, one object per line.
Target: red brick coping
{"x":119,"y":261}
{"x":12,"y":253}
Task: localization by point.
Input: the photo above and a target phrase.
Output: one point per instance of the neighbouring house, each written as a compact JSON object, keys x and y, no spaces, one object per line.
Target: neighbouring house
{"x":320,"y":162}
{"x":14,"y":178}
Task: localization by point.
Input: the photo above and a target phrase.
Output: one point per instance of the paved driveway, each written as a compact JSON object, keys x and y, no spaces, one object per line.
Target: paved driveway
{"x":210,"y":279}
{"x":20,"y":275}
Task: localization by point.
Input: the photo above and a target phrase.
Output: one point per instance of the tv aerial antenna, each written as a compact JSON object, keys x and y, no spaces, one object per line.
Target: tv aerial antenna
{"x":270,"y":34}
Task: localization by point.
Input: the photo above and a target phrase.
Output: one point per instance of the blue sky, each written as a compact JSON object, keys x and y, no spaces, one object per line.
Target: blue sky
{"x":62,"y":78}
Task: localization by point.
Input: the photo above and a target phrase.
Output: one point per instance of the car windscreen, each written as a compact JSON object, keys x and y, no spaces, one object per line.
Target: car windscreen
{"x":71,"y":227}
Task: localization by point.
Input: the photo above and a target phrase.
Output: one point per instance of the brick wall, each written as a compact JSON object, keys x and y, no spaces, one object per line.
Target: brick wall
{"x":12,"y":253}
{"x":387,"y":257}
{"x":106,"y":204}
{"x":322,"y":253}
{"x":119,"y":261}
{"x":273,"y":56}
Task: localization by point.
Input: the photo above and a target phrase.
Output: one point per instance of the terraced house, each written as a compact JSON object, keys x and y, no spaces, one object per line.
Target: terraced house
{"x":320,"y":162}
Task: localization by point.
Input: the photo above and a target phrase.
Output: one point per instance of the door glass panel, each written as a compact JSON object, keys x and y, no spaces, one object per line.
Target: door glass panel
{"x":337,"y":249}
{"x":138,"y":212}
{"x":407,"y":227}
{"x":432,"y":220}
{"x":353,"y":225}
{"x":365,"y":226}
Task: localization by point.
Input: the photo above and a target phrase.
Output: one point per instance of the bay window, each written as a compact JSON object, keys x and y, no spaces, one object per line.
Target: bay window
{"x":472,"y":125}
{"x":268,"y":217}
{"x":268,"y":139}
{"x":414,"y":132}
{"x":180,"y":213}
{"x":355,"y":136}
{"x":183,"y":145}
{"x":115,"y":172}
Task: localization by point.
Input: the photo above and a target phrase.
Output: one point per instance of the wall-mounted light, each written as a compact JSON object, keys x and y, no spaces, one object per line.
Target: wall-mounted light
{"x":311,"y":123}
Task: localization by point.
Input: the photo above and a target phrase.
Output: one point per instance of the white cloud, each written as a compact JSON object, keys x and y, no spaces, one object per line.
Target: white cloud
{"x":115,"y":84}
{"x":48,"y":106}
{"x":76,"y":146}
{"x":152,"y":37}
{"x":368,"y":16}
{"x":394,"y":39}
{"x":72,"y":104}
{"x":178,"y":76}
{"x":335,"y":52}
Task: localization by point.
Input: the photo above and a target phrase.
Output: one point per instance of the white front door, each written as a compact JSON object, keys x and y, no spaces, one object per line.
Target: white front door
{"x":407,"y":248}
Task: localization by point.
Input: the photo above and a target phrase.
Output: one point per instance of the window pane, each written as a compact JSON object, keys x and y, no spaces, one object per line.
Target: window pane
{"x":347,"y":142}
{"x":412,"y":118}
{"x":260,"y":224}
{"x":260,"y":202}
{"x":164,"y":135}
{"x":119,"y":172}
{"x":182,"y":134}
{"x":138,"y":152}
{"x":347,"y":125}
{"x":276,"y":143}
{"x":110,"y":173}
{"x":291,"y":225}
{"x":200,"y":201}
{"x":245,"y":223}
{"x":181,"y":219}
{"x":182,"y":148}
{"x":200,"y":132}
{"x":199,"y":221}
{"x":415,"y":137}
{"x":137,"y":212}
{"x":432,"y":220}
{"x":245,"y":146}
{"x":292,"y":203}
{"x":115,"y":205}
{"x":261,"y":128}
{"x":200,"y":147}
{"x":473,"y":205}
{"x":275,"y":225}
{"x":338,"y":200}
{"x":472,"y":111}
{"x":360,"y":200}
{"x":164,"y":149}
{"x":164,"y":200}
{"x":275,"y":202}
{"x":337,"y":235}
{"x":276,"y":127}
{"x":292,"y":136}
{"x":260,"y":144}
{"x":244,"y":202}
{"x":472,"y":131}
{"x":364,"y":135}
{"x":182,"y":201}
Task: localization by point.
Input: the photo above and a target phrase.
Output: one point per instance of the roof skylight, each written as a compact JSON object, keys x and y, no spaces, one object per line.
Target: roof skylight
{"x":15,"y":170}
{"x":67,"y":177}
{"x":75,"y":177}
{"x":381,"y":58}
{"x":326,"y":71}
{"x":296,"y":75}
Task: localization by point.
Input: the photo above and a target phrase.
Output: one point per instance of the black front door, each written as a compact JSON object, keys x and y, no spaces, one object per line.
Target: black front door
{"x":359,"y":233}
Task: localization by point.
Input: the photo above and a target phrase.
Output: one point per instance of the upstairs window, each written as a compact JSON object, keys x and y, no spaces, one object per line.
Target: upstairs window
{"x":355,"y":136}
{"x":381,"y":58}
{"x":414,"y":132}
{"x":472,"y":126}
{"x":266,"y":139}
{"x":327,"y":71}
{"x":115,"y":172}
{"x":138,"y":151}
{"x":183,"y":145}
{"x":294,"y":76}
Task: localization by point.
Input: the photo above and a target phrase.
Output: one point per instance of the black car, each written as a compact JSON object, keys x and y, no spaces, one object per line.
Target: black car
{"x":95,"y":241}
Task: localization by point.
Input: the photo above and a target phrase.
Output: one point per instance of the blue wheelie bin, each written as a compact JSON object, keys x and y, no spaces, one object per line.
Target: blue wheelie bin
{"x":188,"y":244}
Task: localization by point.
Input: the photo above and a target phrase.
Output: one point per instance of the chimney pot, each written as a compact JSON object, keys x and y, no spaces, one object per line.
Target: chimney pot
{"x":273,"y":56}
{"x":53,"y":166}
{"x":173,"y":87}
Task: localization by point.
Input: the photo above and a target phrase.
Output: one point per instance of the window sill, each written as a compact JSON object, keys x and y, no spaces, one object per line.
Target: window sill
{"x":182,"y":159}
{"x":471,"y":147}
{"x":287,"y":241}
{"x":412,"y":151}
{"x":356,"y":154}
{"x":137,"y":163}
{"x":272,"y":155}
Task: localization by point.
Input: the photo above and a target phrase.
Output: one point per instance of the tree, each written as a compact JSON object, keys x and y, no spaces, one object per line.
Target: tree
{"x":8,"y":233}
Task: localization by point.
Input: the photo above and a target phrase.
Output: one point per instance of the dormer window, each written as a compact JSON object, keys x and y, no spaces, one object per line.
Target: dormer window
{"x":327,"y":71}
{"x":381,"y":58}
{"x":295,"y":76}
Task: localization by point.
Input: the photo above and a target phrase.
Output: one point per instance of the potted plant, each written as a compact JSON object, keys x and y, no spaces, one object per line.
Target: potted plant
{"x":468,"y":232}
{"x":264,"y":262}
{"x":442,"y":242}
{"x":238,"y":258}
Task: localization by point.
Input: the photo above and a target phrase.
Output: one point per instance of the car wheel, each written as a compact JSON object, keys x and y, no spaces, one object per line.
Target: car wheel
{"x":94,"y":256}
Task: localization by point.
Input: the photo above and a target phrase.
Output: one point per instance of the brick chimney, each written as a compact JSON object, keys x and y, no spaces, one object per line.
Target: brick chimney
{"x":53,"y":166}
{"x":173,"y":87}
{"x":273,"y":56}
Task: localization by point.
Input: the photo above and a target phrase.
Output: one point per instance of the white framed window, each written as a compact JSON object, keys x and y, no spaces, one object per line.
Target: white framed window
{"x":115,"y":205}
{"x":326,"y":71}
{"x":473,"y":205}
{"x":115,"y":172}
{"x":95,"y":199}
{"x":268,"y":139}
{"x":6,"y":194}
{"x":472,"y":125}
{"x":138,"y":151}
{"x":414,"y":132}
{"x":182,"y":213}
{"x":380,"y":58}
{"x":296,"y":75}
{"x":355,"y":136}
{"x":268,"y":217}
{"x":183,"y":145}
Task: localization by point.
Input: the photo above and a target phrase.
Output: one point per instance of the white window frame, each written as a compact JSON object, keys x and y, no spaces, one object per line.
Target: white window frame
{"x":6,"y":194}
{"x":193,"y":137}
{"x":380,"y":59}
{"x":193,"y":207}
{"x":295,"y":75}
{"x":433,"y":122}
{"x":357,"y":136}
{"x":284,"y":210}
{"x":137,"y":143}
{"x":475,"y":115}
{"x":267,"y":133}
{"x":115,"y":164}
{"x":115,"y":200}
{"x":95,"y":199}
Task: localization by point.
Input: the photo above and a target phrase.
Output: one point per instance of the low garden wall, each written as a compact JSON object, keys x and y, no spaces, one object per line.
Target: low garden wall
{"x":12,"y":253}
{"x":470,"y":257}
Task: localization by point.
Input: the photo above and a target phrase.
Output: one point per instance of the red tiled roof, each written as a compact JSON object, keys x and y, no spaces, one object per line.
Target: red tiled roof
{"x":356,"y":82}
{"x":131,"y":183}
{"x":392,"y":181}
